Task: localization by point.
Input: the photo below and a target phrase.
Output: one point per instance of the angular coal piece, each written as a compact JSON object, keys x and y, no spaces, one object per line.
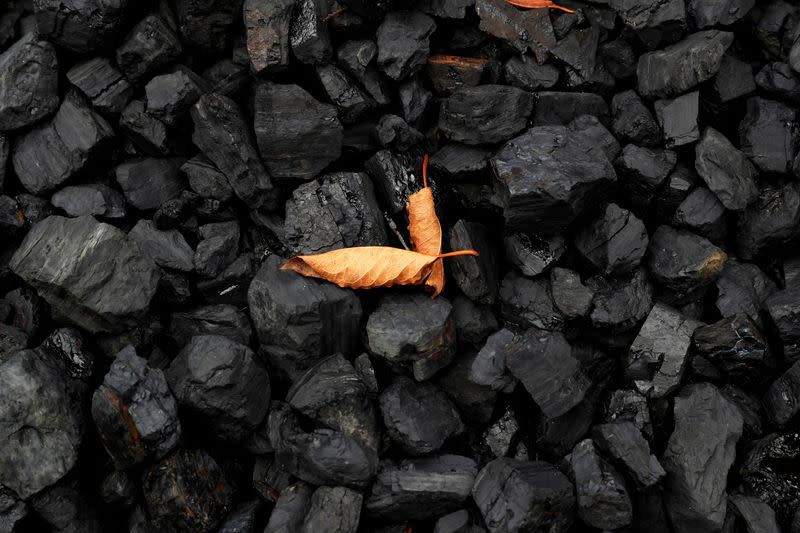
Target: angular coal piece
{"x":171,"y":95}
{"x":226,"y":77}
{"x":768,"y":135}
{"x":135,"y":413}
{"x":403,"y":43}
{"x":217,"y":249}
{"x":339,"y":210}
{"x":80,"y":26}
{"x":448,"y":73}
{"x":63,"y":259}
{"x":734,"y":80}
{"x":12,"y":509}
{"x":148,"y":183}
{"x":221,"y":382}
{"x":243,"y":518}
{"x":523,"y":30}
{"x":102,"y":83}
{"x":561,"y":108}
{"x":485,"y":114}
{"x":726,"y":170}
{"x":92,"y":199}
{"x":221,"y":133}
{"x":27,"y":95}
{"x":501,"y":436}
{"x":452,"y":9}
{"x":66,"y":507}
{"x":535,"y":189}
{"x":476,"y":402}
{"x":25,"y":310}
{"x":488,"y":368}
{"x":12,"y":219}
{"x":118,"y":487}
{"x":533,"y":254}
{"x":618,"y":58}
{"x":354,"y":56}
{"x":308,"y":35}
{"x":678,"y":119}
{"x":603,"y":500}
{"x":393,"y":130}
{"x":779,"y":81}
{"x":455,"y":522}
{"x":41,"y":423}
{"x":333,"y":509}
{"x":643,"y":171}
{"x":459,"y":161}
{"x":72,"y":138}
{"x":632,"y":121}
{"x":12,"y":339}
{"x":655,"y":22}
{"x":624,"y":443}
{"x":674,"y":190}
{"x":659,"y":355}
{"x":290,"y":509}
{"x":344,"y":93}
{"x":782,"y":400}
{"x":682,"y":262}
{"x":323,"y":456}
{"x":419,"y":489}
{"x":515,"y":495}
{"x":753,"y":514}
{"x":333,"y":393}
{"x":296,"y":317}
{"x":415,"y":329}
{"x":267,"y":24}
{"x":743,"y":288}
{"x":414,"y":98}
{"x":620,"y":303}
{"x":186,"y":491}
{"x":767,"y":473}
{"x":629,"y":406}
{"x":205,"y":24}
{"x":578,"y":53}
{"x":477,"y":277}
{"x":770,"y":223}
{"x":206,"y":180}
{"x":297,"y":135}
{"x":676,"y":69}
{"x":150,"y":45}
{"x":543,"y":362}
{"x":614,"y":242}
{"x":523,"y":72}
{"x":147,"y":132}
{"x":783,"y":310}
{"x":708,"y":14}
{"x":699,"y":453}
{"x":230,"y":287}
{"x":738,"y":348}
{"x":526,"y":302}
{"x":571,"y":297}
{"x":418,"y":416}
{"x":222,"y":320}
{"x":702,"y":213}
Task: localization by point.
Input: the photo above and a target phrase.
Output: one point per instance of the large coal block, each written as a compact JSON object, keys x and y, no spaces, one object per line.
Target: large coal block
{"x":221,"y":382}
{"x":613,"y":243}
{"x":267,"y":25}
{"x":150,"y":45}
{"x":783,"y":309}
{"x":726,"y":170}
{"x":40,"y":422}
{"x":524,"y":30}
{"x":64,"y":259}
{"x":27,"y":95}
{"x":404,"y":43}
{"x":170,"y":95}
{"x":148,"y":183}
{"x":485,"y":114}
{"x":309,"y":37}
{"x":81,"y":25}
{"x":335,"y":509}
{"x":767,"y":472}
{"x":297,"y":135}
{"x":394,"y":178}
{"x":548,"y":176}
{"x":625,"y":444}
{"x":135,"y":413}
{"x":770,"y":223}
{"x":102,"y":83}
{"x":603,"y":500}
{"x":769,"y":134}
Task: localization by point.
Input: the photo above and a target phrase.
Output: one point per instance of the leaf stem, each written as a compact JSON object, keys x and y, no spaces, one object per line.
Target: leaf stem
{"x":425,"y":171}
{"x":457,"y":253}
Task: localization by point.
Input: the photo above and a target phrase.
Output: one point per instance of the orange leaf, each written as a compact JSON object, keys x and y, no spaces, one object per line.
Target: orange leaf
{"x":537,"y":4}
{"x":368,"y":267}
{"x":425,"y":229}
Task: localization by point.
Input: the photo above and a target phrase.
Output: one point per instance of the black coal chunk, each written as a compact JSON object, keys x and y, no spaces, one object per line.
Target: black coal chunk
{"x":148,"y":183}
{"x":561,"y":108}
{"x":298,"y":320}
{"x":783,"y":309}
{"x":205,"y":24}
{"x":768,"y":474}
{"x":66,"y":507}
{"x":631,"y":406}
{"x":221,"y":133}
{"x":780,"y":82}
{"x":570,"y":295}
{"x":333,"y":509}
{"x":733,"y":80}
{"x":702,"y":213}
{"x":171,"y":95}
{"x":453,"y":9}
{"x":614,"y":242}
{"x":524,"y":30}
{"x":223,"y":320}
{"x":618,"y":58}
{"x":63,"y":259}
{"x":753,"y":514}
{"x":782,"y":400}
{"x":477,"y":277}
{"x":488,"y":368}
{"x":308,"y":33}
{"x":708,"y":14}
{"x":414,"y":99}
{"x":81,"y":26}
{"x":392,"y":130}
{"x":624,"y":443}
{"x":770,"y":223}
{"x":134,"y":411}
{"x":578,"y":53}
{"x":603,"y":500}
{"x":50,"y":154}
{"x":448,"y":73}
{"x":27,"y":95}
{"x":221,"y":382}
{"x":186,"y":491}
{"x":515,"y":495}
{"x":620,"y":303}
{"x":726,"y":170}
{"x":267,"y":24}
{"x":404,"y":43}
{"x":297,"y":135}
{"x":422,"y":488}
{"x":418,"y":416}
{"x":344,"y":93}
{"x":523,"y":72}
{"x":533,"y":254}
{"x":678,"y":119}
{"x":769,"y":135}
{"x":660,"y":353}
{"x":218,"y":247}
{"x":743,"y":288}
{"x":653,"y":22}
{"x":676,"y":69}
{"x":338,"y":210}
{"x":167,"y":248}
{"x":206,"y":180}
{"x":290,"y":509}
{"x":699,"y":453}
{"x":150,"y":45}
{"x":526,"y":302}
{"x":643,"y":172}
{"x":102,"y":83}
{"x":683,"y":263}
{"x":738,"y":348}
{"x":354,"y":57}
{"x":548,"y":176}
{"x":147,"y":132}
{"x":40,"y":422}
{"x":485,"y":114}
{"x":632,"y":121}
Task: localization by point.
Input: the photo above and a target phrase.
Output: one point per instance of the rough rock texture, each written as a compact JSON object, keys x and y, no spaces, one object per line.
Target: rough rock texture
{"x":726,"y":170}
{"x":27,"y":95}
{"x":403,"y":43}
{"x":603,"y":500}
{"x":81,"y":26}
{"x":485,"y":114}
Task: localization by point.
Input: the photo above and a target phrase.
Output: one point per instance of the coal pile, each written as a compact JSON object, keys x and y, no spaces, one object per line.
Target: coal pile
{"x":622,"y":355}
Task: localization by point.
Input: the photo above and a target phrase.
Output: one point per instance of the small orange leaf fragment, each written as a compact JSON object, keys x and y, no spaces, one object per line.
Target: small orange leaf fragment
{"x":425,"y":229}
{"x":537,"y":4}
